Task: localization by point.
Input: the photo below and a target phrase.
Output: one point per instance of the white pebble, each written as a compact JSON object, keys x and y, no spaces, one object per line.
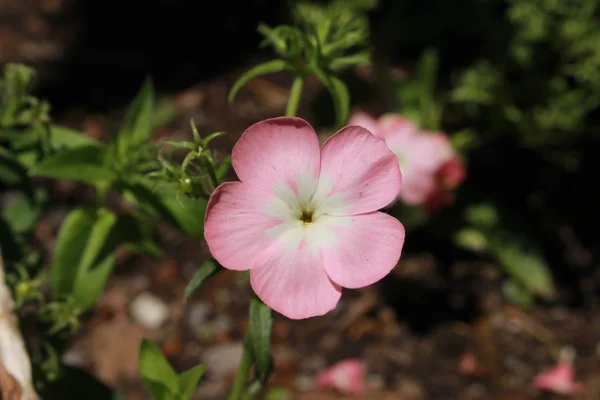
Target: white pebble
{"x":148,"y":311}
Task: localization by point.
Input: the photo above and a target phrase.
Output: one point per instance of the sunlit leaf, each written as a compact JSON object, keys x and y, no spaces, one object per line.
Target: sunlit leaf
{"x":139,"y":119}
{"x":63,"y":137}
{"x":70,"y":244}
{"x":189,"y":380}
{"x":86,"y":164}
{"x":156,"y":373}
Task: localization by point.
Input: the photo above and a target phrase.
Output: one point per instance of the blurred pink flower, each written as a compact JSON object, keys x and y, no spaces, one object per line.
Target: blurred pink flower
{"x":348,"y":376}
{"x":430,"y":167}
{"x":304,"y":219}
{"x":559,"y":379}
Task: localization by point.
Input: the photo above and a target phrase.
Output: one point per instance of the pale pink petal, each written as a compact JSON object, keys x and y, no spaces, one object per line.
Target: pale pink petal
{"x":347,"y":376}
{"x":396,"y":127}
{"x":359,"y":173}
{"x":417,"y":186}
{"x":236,"y":226}
{"x":366,"y":248}
{"x":293,"y":282}
{"x":366,"y":121}
{"x":277,"y":151}
{"x":558,"y":379}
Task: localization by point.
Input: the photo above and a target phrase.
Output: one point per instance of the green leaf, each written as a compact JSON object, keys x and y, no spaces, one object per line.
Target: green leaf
{"x":90,"y":283}
{"x":97,"y":259}
{"x":11,"y":170}
{"x":517,"y":294}
{"x":23,"y":213}
{"x":70,"y":245}
{"x":139,"y":119}
{"x":205,"y":271}
{"x":109,"y":234}
{"x":189,"y":380}
{"x":270,"y":67}
{"x":180,"y":211}
{"x":156,"y":373}
{"x":339,"y":94}
{"x":223,"y":168}
{"x":513,"y":246}
{"x":260,"y":324}
{"x":86,"y":164}
{"x":63,"y":137}
{"x":85,"y":252}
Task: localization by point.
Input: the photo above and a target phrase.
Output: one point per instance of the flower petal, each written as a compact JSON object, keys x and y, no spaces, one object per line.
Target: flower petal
{"x":278,"y":151}
{"x":359,"y":174}
{"x":366,"y":249}
{"x":417,"y":186}
{"x":238,"y":224}
{"x":293,"y":282}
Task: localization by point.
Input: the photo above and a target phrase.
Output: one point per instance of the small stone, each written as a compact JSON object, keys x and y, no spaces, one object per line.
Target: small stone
{"x":197,"y":315}
{"x":304,"y":383}
{"x":73,"y":358}
{"x":148,"y":311}
{"x":222,"y":324}
{"x":223,"y":359}
{"x":375,"y":381}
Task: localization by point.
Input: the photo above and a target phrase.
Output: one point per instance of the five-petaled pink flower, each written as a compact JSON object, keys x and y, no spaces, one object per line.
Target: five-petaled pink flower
{"x":304,"y":219}
{"x":348,"y":376}
{"x":430,"y":167}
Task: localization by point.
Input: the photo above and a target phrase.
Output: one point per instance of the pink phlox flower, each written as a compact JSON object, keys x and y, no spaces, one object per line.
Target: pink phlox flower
{"x":347,"y":376}
{"x":430,"y":167}
{"x":560,"y":378}
{"x":304,"y":219}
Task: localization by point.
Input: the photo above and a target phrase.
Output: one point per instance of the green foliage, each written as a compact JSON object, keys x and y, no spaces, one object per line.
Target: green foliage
{"x":417,"y":93}
{"x":89,"y":163}
{"x":493,"y":228}
{"x":161,"y":380}
{"x":205,"y":271}
{"x":260,"y":324}
{"x":539,"y":80}
{"x":324,"y":41}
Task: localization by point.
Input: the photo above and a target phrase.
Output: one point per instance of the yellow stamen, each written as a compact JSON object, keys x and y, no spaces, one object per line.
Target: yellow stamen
{"x":306,"y":217}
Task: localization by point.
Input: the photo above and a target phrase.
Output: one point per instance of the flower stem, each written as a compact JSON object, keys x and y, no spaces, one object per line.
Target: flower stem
{"x":295,"y":94}
{"x":241,"y":379}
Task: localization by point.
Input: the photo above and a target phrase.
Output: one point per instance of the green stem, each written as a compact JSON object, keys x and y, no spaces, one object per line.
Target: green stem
{"x":295,"y":94}
{"x":241,"y":379}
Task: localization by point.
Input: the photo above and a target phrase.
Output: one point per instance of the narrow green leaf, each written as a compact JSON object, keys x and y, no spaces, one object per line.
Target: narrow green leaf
{"x":86,"y":164}
{"x":70,"y":245}
{"x":63,"y":137}
{"x":139,"y":119}
{"x":223,"y":168}
{"x":97,"y":259}
{"x":205,"y":271}
{"x":260,"y":324}
{"x":156,"y":372}
{"x":513,"y":246}
{"x":12,"y":171}
{"x":189,"y":380}
{"x":270,"y":67}
{"x":180,"y":211}
{"x":339,"y":94}
{"x":90,"y":285}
